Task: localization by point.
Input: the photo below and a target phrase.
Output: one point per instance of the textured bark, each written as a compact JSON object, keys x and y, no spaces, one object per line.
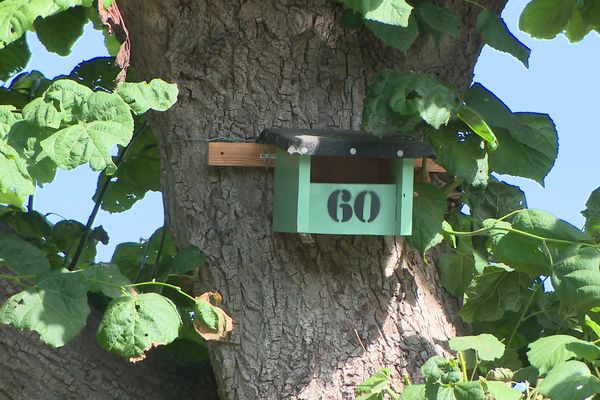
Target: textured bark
{"x":314,"y":315}
{"x":83,"y":370}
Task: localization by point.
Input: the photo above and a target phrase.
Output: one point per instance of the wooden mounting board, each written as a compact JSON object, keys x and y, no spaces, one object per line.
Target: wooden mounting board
{"x":230,"y":154}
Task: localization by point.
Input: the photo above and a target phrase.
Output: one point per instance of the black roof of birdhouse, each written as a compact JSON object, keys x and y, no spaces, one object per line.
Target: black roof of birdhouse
{"x":311,"y":142}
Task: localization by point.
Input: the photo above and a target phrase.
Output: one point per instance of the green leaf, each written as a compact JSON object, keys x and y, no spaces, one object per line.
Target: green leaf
{"x":351,"y":19}
{"x":592,"y":215}
{"x":138,"y":173}
{"x":570,"y":380}
{"x":398,"y":37}
{"x":22,"y":257}
{"x":42,"y":114}
{"x":390,"y":12}
{"x":548,"y":352}
{"x":475,"y":121}
{"x":487,"y":346}
{"x":496,"y":34}
{"x":8,"y":116}
{"x":462,"y":156}
{"x":440,"y":370}
{"x":576,"y":278}
{"x":68,"y":97}
{"x":59,"y":32}
{"x":375,"y":384}
{"x":56,"y":308}
{"x":590,"y":323}
{"x":134,"y":324}
{"x":14,"y":177}
{"x":66,"y":235}
{"x":590,"y":12}
{"x":18,"y":16}
{"x":97,"y":74}
{"x":544,"y":224}
{"x":468,"y":391}
{"x":496,"y":200}
{"x":428,"y":214}
{"x":108,"y":107}
{"x":496,"y":291}
{"x":576,"y":28}
{"x":437,"y":19}
{"x":529,"y":374}
{"x":503,"y":391}
{"x":141,"y":96}
{"x":128,"y":257}
{"x":544,"y":19}
{"x":11,"y":199}
{"x":413,"y":392}
{"x":186,"y":260}
{"x":106,"y":279}
{"x":13,"y":58}
{"x":456,"y":271}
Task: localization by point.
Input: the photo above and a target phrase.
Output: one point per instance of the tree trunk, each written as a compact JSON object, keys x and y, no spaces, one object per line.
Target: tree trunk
{"x":314,"y":315}
{"x":29,"y":369}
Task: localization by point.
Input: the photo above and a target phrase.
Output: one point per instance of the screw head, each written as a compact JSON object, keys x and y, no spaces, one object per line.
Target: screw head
{"x":352,"y":151}
{"x":400,"y":153}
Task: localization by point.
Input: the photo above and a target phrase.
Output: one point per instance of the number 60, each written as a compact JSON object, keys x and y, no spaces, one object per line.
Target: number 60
{"x":340,"y":199}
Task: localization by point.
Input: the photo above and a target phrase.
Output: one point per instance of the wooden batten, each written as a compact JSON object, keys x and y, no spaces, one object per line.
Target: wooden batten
{"x":233,"y":154}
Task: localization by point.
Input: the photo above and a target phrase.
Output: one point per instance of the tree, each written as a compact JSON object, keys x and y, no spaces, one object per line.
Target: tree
{"x":315,"y":315}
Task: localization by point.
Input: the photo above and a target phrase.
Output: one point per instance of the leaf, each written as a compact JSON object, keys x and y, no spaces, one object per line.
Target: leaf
{"x":496,"y":34}
{"x":128,"y":257}
{"x":374,"y":385}
{"x":138,"y":173}
{"x":495,"y":200}
{"x":440,"y":370}
{"x":42,"y":114}
{"x":576,"y":278}
{"x":592,"y":215}
{"x":496,"y":291}
{"x":11,"y":199}
{"x":14,"y":177}
{"x":211,"y":322}
{"x":437,"y":19}
{"x":13,"y":58}
{"x":456,"y":271}
{"x":66,"y":235}
{"x":428,"y":214}
{"x":503,"y":391}
{"x":590,"y":12}
{"x":106,"y":279}
{"x":390,"y":12}
{"x":475,"y":121}
{"x":570,"y":380}
{"x":22,"y":257}
{"x":8,"y":116}
{"x":413,"y":392}
{"x":18,"y":16}
{"x":487,"y":346}
{"x":548,"y":352}
{"x":398,"y":37}
{"x":529,"y":143}
{"x":542,"y":223}
{"x":141,"y":96}
{"x":56,"y":308}
{"x":97,"y":73}
{"x":186,"y":260}
{"x":68,"y":97}
{"x":59,"y":32}
{"x":576,"y":28}
{"x":544,"y":19}
{"x":468,"y":391}
{"x":134,"y":324}
{"x":462,"y":156}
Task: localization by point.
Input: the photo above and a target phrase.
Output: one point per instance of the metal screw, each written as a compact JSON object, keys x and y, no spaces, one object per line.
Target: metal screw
{"x":352,"y":151}
{"x":400,"y":153}
{"x":304,"y":150}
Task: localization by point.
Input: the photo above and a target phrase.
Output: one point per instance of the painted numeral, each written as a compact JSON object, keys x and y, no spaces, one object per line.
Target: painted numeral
{"x":340,"y":200}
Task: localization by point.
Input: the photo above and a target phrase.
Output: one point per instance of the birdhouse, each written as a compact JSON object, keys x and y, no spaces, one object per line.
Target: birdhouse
{"x":343,"y":182}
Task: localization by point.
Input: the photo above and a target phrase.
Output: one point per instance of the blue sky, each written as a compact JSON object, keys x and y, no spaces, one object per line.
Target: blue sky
{"x":562,"y":80}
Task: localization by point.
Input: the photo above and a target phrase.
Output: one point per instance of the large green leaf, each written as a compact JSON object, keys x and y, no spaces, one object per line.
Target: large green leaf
{"x":398,"y":37}
{"x":66,"y":235}
{"x":544,"y":19}
{"x":577,"y":28}
{"x":592,"y":215}
{"x":487,"y":346}
{"x":134,"y":324}
{"x":456,"y":271}
{"x":495,"y":200}
{"x":462,"y":156}
{"x":13,"y":172}
{"x":59,"y":32}
{"x":22,"y":257}
{"x":97,"y":73}
{"x":428,"y":214}
{"x":493,"y":293}
{"x":576,"y":278}
{"x":68,"y":97}
{"x":8,"y":116}
{"x":141,"y":96}
{"x":542,"y":223}
{"x":496,"y":34}
{"x":548,"y":352}
{"x":13,"y":58}
{"x":503,"y":391}
{"x":570,"y":380}
{"x":413,"y":392}
{"x":436,"y":19}
{"x":440,"y":370}
{"x":18,"y":16}
{"x":42,"y":114}
{"x":105,"y":278}
{"x":374,"y":385}
{"x":186,"y":260}
{"x":478,"y":125}
{"x":56,"y":307}
{"x":390,"y":12}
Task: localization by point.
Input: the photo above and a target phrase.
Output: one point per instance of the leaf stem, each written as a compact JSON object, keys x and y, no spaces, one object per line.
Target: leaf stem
{"x":16,"y":278}
{"x":450,"y":186}
{"x":463,"y":366}
{"x":176,"y":288}
{"x":160,"y":249}
{"x":476,"y":4}
{"x":98,"y":201}
{"x":522,"y":316}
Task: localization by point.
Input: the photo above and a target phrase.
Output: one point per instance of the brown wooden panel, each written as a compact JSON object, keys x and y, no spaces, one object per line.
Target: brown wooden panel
{"x":261,"y":155}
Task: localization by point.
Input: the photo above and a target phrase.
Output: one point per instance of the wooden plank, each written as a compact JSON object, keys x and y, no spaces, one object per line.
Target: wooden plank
{"x":235,"y":154}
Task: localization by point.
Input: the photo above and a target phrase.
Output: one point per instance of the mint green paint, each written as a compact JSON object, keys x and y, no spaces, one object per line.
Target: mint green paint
{"x":340,"y":208}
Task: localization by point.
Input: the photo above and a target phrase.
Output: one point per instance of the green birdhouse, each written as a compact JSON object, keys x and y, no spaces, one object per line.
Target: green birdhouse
{"x":343,"y":182}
